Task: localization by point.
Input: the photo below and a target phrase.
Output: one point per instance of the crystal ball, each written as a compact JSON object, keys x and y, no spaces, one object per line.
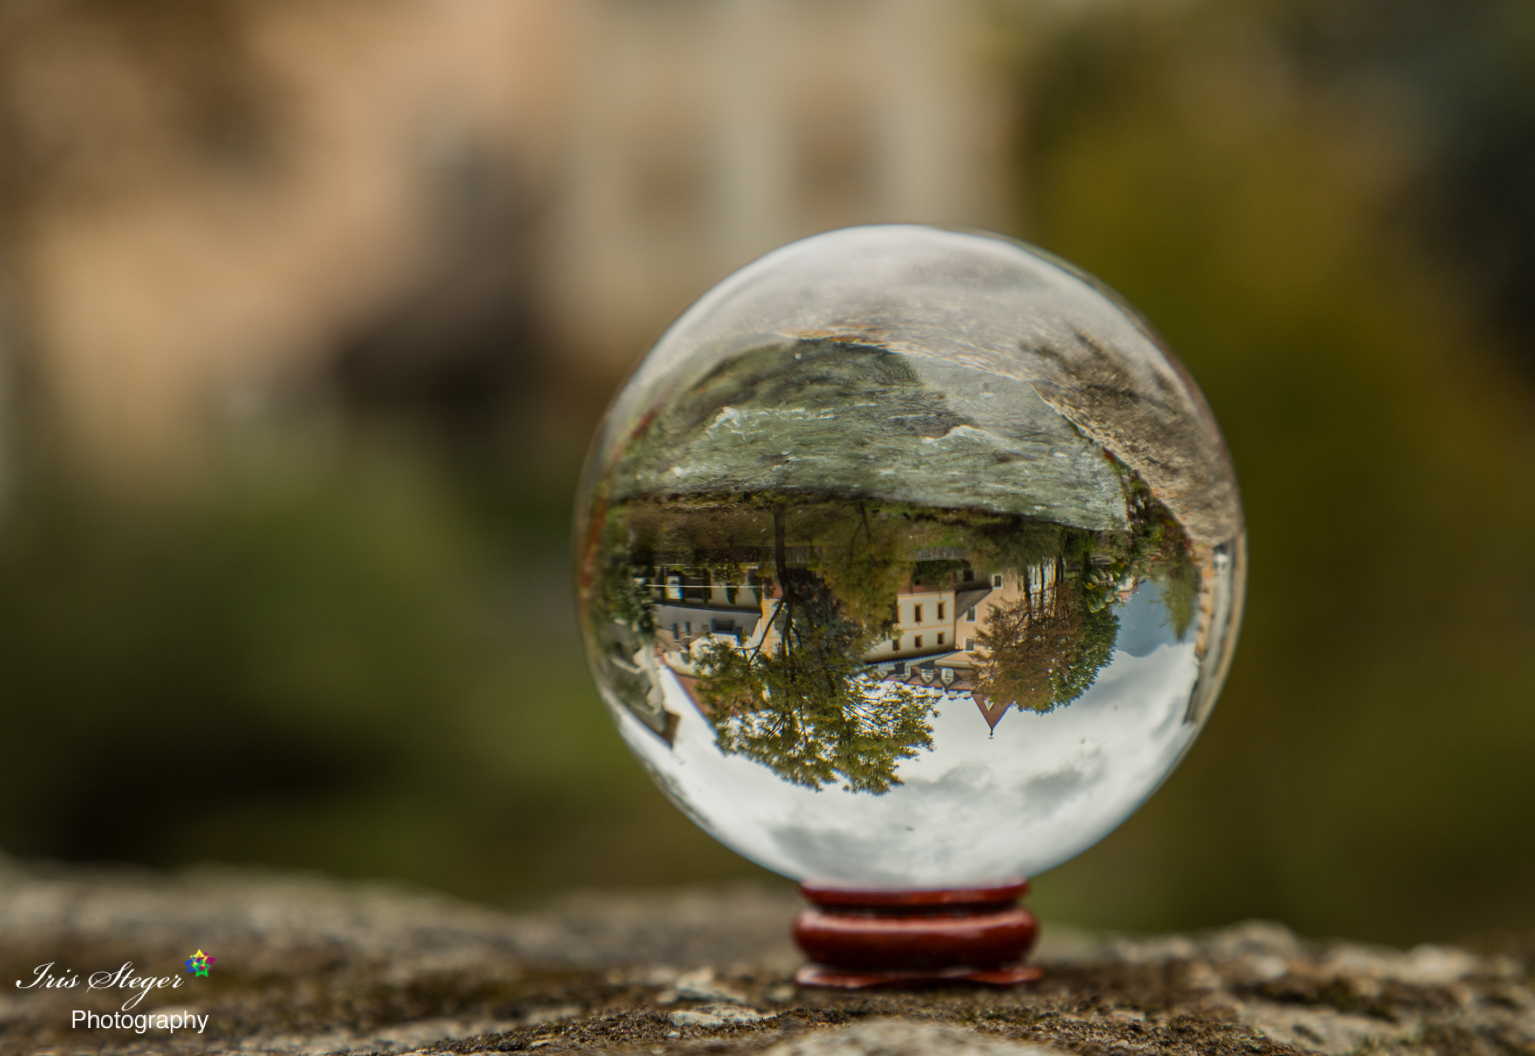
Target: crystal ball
{"x":909,"y":558}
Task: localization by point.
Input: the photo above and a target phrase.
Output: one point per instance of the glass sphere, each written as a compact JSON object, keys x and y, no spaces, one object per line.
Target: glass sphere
{"x":909,"y":558}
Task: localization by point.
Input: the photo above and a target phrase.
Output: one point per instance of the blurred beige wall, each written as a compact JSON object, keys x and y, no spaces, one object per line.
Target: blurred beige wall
{"x":706,"y":133}
{"x":191,"y":231}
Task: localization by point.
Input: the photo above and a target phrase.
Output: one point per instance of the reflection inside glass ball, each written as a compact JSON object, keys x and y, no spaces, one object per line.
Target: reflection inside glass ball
{"x":909,"y":558}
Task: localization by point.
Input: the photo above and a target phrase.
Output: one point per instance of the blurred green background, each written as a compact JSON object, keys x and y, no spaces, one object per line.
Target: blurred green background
{"x":303,"y":345}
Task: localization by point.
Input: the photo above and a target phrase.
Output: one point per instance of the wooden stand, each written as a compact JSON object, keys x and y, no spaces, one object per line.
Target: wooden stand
{"x":858,"y":938}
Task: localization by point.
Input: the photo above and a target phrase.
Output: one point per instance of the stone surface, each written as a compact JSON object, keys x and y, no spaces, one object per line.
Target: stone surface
{"x":904,"y":1037}
{"x":306,"y":965}
{"x":826,"y":419}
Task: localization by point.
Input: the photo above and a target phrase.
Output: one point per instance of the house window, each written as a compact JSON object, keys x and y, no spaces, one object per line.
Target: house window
{"x":916,"y":643}
{"x":895,"y":645}
{"x":969,"y":644}
{"x":940,"y":637}
{"x":969,"y":575}
{"x":900,"y":668}
{"x":916,"y":614}
{"x":689,"y":628}
{"x":674,"y":631}
{"x":940,"y":610}
{"x":996,"y":579}
{"x":970,"y":614}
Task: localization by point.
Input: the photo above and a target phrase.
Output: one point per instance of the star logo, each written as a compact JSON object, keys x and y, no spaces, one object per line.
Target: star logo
{"x":198,"y":963}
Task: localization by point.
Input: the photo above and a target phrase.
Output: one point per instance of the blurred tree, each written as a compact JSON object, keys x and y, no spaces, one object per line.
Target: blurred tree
{"x":1465,"y":72}
{"x":1187,"y":158}
{"x":325,"y":662}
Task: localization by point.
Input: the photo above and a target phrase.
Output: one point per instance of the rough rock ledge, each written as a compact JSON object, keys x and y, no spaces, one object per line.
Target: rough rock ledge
{"x":306,"y":965}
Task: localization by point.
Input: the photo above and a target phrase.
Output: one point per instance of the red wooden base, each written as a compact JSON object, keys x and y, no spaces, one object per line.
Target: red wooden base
{"x":861,"y":938}
{"x":895,"y":979}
